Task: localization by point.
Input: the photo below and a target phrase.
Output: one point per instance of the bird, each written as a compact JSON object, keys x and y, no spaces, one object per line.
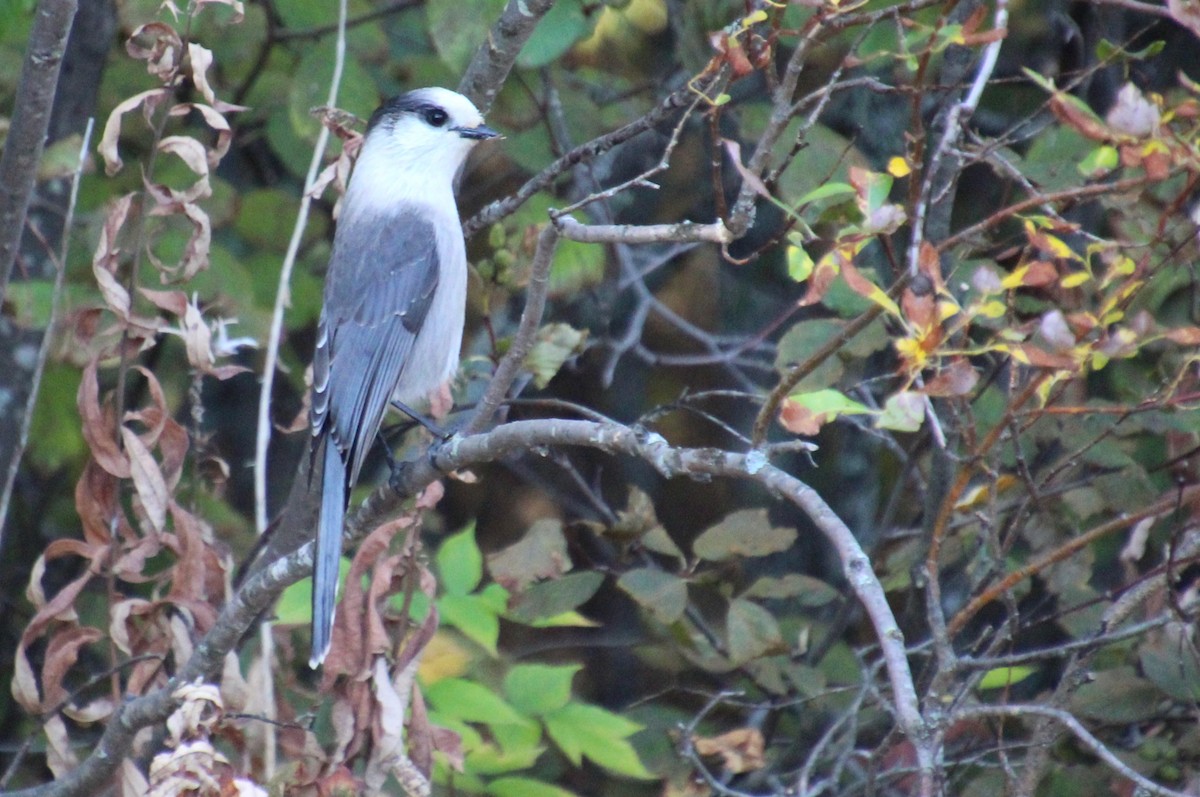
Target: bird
{"x":391,"y":322}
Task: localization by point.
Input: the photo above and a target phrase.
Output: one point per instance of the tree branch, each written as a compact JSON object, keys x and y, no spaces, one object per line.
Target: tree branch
{"x":30,"y":121}
{"x":495,"y":58}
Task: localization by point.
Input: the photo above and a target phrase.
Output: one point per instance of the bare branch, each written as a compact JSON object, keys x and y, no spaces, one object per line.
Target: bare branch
{"x":263,"y":440}
{"x":1085,"y":737}
{"x":682,"y":232}
{"x":30,"y":121}
{"x":495,"y":58}
{"x":497,"y":210}
{"x":522,"y":342}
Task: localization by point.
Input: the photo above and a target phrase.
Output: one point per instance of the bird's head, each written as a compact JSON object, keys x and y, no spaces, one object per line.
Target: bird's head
{"x":422,"y":137}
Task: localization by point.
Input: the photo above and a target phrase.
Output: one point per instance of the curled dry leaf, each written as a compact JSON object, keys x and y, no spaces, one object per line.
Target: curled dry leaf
{"x":60,"y":656}
{"x":359,"y":634}
{"x":387,"y":748}
{"x":60,"y":753}
{"x":148,"y":480}
{"x":159,"y":46}
{"x":956,"y":379}
{"x":201,"y":59}
{"x":99,"y":427}
{"x":741,"y":750}
{"x":214,"y":119}
{"x":148,"y":101}
{"x":198,"y":713}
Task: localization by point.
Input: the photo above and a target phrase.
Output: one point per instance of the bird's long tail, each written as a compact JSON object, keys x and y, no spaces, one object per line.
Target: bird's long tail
{"x":328,"y":553}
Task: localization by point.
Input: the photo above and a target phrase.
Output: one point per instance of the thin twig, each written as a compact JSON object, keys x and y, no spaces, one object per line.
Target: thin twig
{"x":263,"y":438}
{"x":283,"y":293}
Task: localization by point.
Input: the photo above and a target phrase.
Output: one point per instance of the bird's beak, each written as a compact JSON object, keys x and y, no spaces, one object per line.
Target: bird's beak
{"x":479,"y":132}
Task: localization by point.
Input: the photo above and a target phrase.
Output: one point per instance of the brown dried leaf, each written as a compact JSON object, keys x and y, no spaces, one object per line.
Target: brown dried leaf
{"x":359,"y":634}
{"x":98,"y":426}
{"x":741,"y":750}
{"x":96,"y":503}
{"x":148,"y":480}
{"x":734,"y":150}
{"x":819,"y":282}
{"x":61,"y":607}
{"x":214,"y":119}
{"x":107,"y":258}
{"x":956,"y":379}
{"x":159,"y":46}
{"x":60,"y":753}
{"x":62,"y":651}
{"x":798,"y":419}
{"x":112,"y":127}
{"x":1185,"y":336}
{"x":387,"y":748}
{"x":1072,"y":112}
{"x":201,"y":59}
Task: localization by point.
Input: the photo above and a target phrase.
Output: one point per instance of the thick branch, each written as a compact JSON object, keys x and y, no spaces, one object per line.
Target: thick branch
{"x":30,"y":121}
{"x":261,"y":589}
{"x":495,"y":58}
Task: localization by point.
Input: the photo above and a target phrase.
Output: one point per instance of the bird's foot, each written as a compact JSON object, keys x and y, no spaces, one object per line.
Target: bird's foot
{"x":432,"y":427}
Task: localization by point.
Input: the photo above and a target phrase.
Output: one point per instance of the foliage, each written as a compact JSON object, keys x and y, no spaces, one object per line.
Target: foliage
{"x":890,"y":472}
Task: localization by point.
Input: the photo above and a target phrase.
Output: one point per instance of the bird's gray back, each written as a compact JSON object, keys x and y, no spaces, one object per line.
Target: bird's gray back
{"x":383,"y":278}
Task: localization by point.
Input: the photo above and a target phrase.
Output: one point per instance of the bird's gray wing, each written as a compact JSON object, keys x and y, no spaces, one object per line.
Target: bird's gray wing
{"x":381,"y":281}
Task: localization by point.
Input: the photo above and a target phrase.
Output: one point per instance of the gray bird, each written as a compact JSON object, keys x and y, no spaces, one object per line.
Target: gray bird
{"x":395,"y":293}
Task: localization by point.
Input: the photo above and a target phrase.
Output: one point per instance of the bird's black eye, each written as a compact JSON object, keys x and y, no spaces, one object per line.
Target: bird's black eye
{"x":435,"y":117}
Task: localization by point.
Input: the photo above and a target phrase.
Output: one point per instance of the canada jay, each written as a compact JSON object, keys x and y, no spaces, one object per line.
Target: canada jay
{"x":395,"y":293}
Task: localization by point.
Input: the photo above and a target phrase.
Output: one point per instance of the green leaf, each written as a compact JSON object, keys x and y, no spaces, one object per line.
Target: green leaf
{"x":829,"y":402}
{"x":808,"y":591}
{"x":826,"y":190}
{"x":556,"y":343}
{"x":751,"y":631}
{"x":799,"y":263}
{"x":1005,"y":676}
{"x":1119,"y":696}
{"x":746,"y":532}
{"x":460,"y":564}
{"x":539,"y":688}
{"x":1100,"y":161}
{"x":490,"y":759}
{"x":563,"y":25}
{"x":553,"y":598}
{"x":514,"y":786}
{"x":540,"y":554}
{"x":472,"y":616}
{"x":471,"y":702}
{"x":581,"y":730}
{"x":662,"y":594}
{"x":458,"y":29}
{"x":576,"y":267}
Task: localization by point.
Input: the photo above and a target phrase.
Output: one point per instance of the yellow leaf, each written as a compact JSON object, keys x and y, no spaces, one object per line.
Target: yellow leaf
{"x":1075,"y":280}
{"x":898,"y":167}
{"x":993,"y":309}
{"x":946,"y":308}
{"x":443,"y":657}
{"x":1058,"y":247}
{"x":1016,"y":278}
